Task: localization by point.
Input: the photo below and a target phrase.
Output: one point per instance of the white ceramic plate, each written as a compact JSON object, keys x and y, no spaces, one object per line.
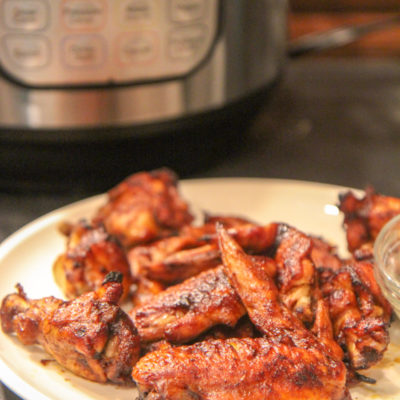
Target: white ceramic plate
{"x":27,"y":257}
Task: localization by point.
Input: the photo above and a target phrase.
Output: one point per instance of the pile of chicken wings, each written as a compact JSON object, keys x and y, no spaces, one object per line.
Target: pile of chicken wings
{"x":224,"y":308}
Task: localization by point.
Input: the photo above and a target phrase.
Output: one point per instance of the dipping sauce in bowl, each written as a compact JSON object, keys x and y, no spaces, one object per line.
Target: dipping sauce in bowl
{"x":387,"y":262}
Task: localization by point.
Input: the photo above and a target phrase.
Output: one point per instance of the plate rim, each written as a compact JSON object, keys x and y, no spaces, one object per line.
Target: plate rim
{"x":45,"y":219}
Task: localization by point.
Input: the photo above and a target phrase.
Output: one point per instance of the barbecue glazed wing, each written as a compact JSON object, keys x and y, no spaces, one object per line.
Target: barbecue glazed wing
{"x":288,"y":363}
{"x":360,"y":323}
{"x":322,"y":326}
{"x":174,"y":259}
{"x":365,"y":217}
{"x":364,"y":274}
{"x":184,"y":311}
{"x":324,"y":255}
{"x":359,"y":312}
{"x":296,"y":271}
{"x":144,"y":207}
{"x":144,"y":290}
{"x":208,"y":226}
{"x":255,"y":239}
{"x":90,"y":255}
{"x":232,"y":369}
{"x":243,"y":329}
{"x":91,"y":336}
{"x":261,"y":298}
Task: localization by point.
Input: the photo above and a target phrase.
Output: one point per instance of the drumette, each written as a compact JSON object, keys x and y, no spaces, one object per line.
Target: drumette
{"x":91,"y":335}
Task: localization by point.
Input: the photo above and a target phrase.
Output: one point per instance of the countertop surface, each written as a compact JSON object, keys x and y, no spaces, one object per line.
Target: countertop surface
{"x":335,"y":121}
{"x":332,"y":121}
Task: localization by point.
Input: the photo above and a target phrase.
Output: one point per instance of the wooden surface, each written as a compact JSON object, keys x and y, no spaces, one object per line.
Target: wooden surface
{"x":382,"y":43}
{"x":346,"y":5}
{"x":312,"y":16}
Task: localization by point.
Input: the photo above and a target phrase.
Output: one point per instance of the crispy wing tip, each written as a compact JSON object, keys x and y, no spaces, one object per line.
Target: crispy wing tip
{"x":113,"y":276}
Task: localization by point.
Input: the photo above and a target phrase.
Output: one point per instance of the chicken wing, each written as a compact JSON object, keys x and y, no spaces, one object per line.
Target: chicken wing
{"x":364,"y":217}
{"x":91,"y":336}
{"x":359,"y":311}
{"x":324,"y":255}
{"x":184,"y":311}
{"x":232,"y":369}
{"x":287,"y":363}
{"x":243,"y":329}
{"x":254,"y":238}
{"x":144,"y":290}
{"x":90,"y":255}
{"x":144,"y":207}
{"x":195,"y":249}
{"x":360,"y":325}
{"x":172,"y":260}
{"x":208,"y":225}
{"x":361,"y":269}
{"x":296,"y":271}
{"x":364,"y":273}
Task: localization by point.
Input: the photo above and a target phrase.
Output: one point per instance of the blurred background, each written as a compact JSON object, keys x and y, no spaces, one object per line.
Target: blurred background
{"x":333,"y":116}
{"x":310,"y":16}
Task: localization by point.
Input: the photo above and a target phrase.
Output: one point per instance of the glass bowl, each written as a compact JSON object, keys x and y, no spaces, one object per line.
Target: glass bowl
{"x":387,"y":262}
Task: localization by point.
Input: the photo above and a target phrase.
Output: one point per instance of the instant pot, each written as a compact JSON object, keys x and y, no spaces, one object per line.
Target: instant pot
{"x":80,"y":79}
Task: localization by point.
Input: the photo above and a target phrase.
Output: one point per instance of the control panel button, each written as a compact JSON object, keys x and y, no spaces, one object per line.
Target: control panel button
{"x":187,"y":10}
{"x":83,"y":51}
{"x":185,"y":43}
{"x":136,"y":11}
{"x":83,"y":14}
{"x":26,"y":15}
{"x":57,"y":43}
{"x":138,"y":47}
{"x":27,"y":52}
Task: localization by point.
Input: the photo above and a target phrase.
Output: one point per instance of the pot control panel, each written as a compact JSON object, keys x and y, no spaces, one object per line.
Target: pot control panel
{"x":56,"y":43}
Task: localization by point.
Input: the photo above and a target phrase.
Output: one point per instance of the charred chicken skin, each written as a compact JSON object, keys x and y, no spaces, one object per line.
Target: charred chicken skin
{"x":144,"y":290}
{"x":293,"y":252}
{"x":254,"y":238}
{"x":195,"y":249}
{"x":172,"y":260}
{"x":269,"y":312}
{"x":90,"y":255}
{"x":296,"y":271}
{"x":360,"y":323}
{"x":261,"y":298}
{"x":243,"y":329}
{"x":182,"y":312}
{"x":359,"y":312}
{"x":91,"y":336}
{"x":232,"y":369}
{"x":364,"y":272}
{"x":287,"y":363}
{"x":144,"y":207}
{"x":324,"y":255}
{"x":298,"y":280}
{"x":364,"y":217}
